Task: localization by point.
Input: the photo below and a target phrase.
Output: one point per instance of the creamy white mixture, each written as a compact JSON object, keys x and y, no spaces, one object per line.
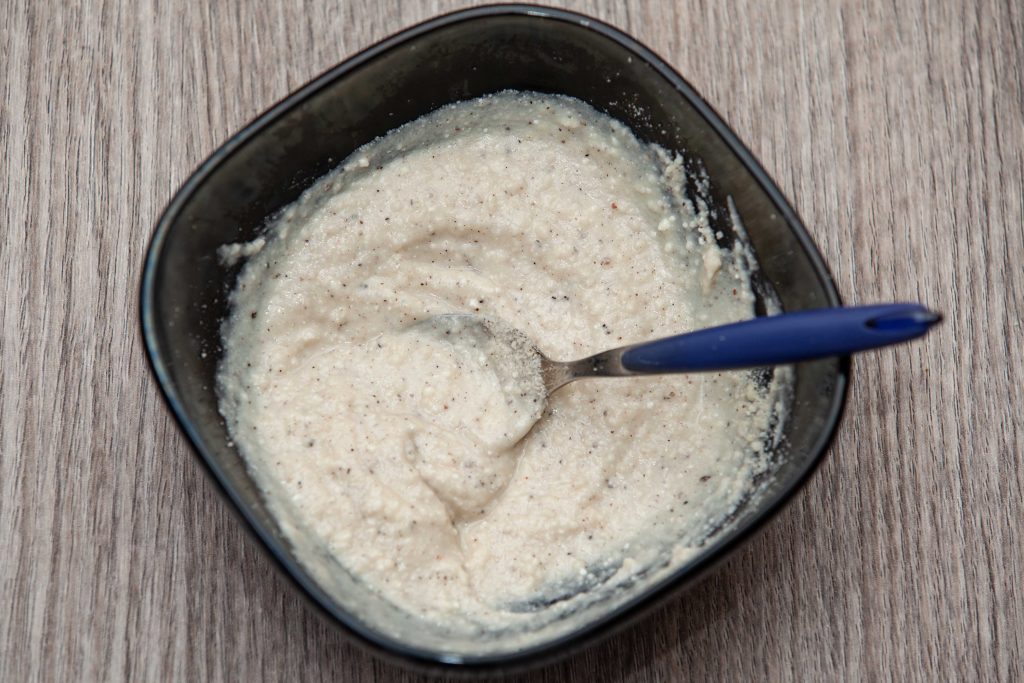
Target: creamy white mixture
{"x":409,"y":457}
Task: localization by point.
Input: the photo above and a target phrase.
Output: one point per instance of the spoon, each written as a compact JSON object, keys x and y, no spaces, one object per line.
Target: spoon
{"x":760,"y":342}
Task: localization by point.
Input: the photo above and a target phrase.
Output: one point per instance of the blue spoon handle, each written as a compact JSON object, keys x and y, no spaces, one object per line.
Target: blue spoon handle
{"x":781,"y":339}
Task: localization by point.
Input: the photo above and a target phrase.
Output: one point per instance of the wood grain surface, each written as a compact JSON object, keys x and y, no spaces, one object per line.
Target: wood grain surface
{"x":897,"y":129}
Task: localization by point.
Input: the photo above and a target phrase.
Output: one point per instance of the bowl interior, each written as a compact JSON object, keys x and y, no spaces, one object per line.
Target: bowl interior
{"x":271,"y":162}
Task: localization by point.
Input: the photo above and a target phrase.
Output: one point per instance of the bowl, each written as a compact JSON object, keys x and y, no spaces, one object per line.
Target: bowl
{"x":459,"y":56}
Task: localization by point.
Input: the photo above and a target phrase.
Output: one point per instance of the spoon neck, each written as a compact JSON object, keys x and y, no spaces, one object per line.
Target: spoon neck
{"x":605,"y":364}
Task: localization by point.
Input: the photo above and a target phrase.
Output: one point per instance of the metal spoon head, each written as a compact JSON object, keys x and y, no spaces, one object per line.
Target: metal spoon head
{"x":515,"y":360}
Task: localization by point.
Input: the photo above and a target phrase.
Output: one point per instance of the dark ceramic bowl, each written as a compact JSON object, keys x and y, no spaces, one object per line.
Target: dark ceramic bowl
{"x":464,"y":55}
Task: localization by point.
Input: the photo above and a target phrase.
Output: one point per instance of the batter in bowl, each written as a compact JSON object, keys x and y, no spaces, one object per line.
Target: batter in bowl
{"x":406,"y":459}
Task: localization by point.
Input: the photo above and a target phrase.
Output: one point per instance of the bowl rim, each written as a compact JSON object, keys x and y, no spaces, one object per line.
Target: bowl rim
{"x":632,"y":609}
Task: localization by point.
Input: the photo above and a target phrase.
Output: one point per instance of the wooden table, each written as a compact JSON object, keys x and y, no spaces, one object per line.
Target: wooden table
{"x":897,"y":129}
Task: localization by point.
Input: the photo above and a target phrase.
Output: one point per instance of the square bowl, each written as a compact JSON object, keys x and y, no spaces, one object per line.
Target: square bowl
{"x":467,"y":54}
